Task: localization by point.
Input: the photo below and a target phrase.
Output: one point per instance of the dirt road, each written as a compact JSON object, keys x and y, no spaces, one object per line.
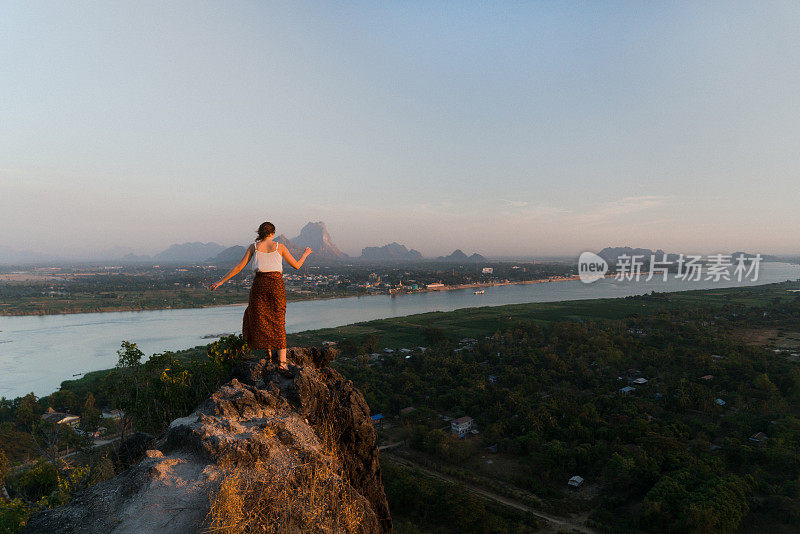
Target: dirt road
{"x":564,"y":524}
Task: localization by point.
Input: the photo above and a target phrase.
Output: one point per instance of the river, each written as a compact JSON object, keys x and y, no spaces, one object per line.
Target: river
{"x":38,"y":352}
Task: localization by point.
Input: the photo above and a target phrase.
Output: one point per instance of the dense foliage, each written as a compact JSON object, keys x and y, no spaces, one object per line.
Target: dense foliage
{"x":424,"y":499}
{"x":668,"y":456}
{"x":154,"y":392}
{"x":151,"y":393}
{"x":672,"y":455}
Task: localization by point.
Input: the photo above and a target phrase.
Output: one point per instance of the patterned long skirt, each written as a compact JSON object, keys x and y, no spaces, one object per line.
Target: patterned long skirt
{"x":264,"y":322}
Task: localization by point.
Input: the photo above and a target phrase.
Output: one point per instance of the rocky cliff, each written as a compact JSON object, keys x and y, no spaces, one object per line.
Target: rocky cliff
{"x":267,"y":452}
{"x":316,"y":236}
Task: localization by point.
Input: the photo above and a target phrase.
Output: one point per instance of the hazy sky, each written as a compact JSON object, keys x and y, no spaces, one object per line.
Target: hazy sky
{"x":502,"y":127}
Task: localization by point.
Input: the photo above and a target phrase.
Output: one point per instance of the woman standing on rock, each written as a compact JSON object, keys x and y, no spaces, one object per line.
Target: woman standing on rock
{"x":264,"y":323}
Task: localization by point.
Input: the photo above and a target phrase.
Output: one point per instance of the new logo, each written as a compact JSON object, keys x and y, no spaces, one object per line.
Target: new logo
{"x":591,"y":267}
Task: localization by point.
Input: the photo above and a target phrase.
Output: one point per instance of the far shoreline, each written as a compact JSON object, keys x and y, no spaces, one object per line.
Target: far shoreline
{"x":305,"y":337}
{"x":476,"y":285}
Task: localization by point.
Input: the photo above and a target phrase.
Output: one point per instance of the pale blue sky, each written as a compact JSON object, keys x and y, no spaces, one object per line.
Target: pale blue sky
{"x":503,"y":127}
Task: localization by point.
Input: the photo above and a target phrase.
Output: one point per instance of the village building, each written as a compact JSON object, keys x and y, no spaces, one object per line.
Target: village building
{"x":575,"y":482}
{"x":58,"y":418}
{"x":462,"y":425}
{"x":113,"y":414}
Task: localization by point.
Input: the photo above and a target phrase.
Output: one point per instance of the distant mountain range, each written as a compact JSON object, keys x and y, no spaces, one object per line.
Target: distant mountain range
{"x":229,"y":256}
{"x":612,"y":254}
{"x":313,"y":234}
{"x":459,"y":256}
{"x":316,"y":236}
{"x":390,"y":252}
{"x":179,"y":253}
{"x":189,"y":252}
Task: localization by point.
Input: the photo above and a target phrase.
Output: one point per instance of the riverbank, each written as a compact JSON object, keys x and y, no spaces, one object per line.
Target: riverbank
{"x":39,"y":352}
{"x":196,"y":299}
{"x":182,"y":300}
{"x":479,"y":322}
{"x":550,"y":279}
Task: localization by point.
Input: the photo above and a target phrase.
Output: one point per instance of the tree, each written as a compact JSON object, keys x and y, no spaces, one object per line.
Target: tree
{"x":348,"y":346}
{"x":90,"y":416}
{"x":126,"y":384}
{"x":5,"y":466}
{"x":28,"y":411}
{"x":433,"y":335}
{"x":370,"y":343}
{"x":53,"y":440}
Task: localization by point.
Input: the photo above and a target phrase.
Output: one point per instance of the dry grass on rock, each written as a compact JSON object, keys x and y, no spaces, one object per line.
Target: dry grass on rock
{"x":312,"y":497}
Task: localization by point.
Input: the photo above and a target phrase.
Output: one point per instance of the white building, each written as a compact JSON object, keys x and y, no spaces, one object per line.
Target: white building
{"x":462,"y":425}
{"x":58,"y":418}
{"x":575,"y":481}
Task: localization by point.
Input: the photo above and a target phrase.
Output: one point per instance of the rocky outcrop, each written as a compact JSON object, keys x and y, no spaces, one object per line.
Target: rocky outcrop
{"x":316,"y":236}
{"x":310,"y":420}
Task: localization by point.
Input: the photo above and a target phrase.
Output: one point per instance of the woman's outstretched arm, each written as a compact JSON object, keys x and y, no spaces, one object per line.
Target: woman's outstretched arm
{"x":238,"y":267}
{"x":290,"y":259}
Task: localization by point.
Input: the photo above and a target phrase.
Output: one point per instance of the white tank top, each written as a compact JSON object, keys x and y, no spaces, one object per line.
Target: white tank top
{"x":267,"y":261}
